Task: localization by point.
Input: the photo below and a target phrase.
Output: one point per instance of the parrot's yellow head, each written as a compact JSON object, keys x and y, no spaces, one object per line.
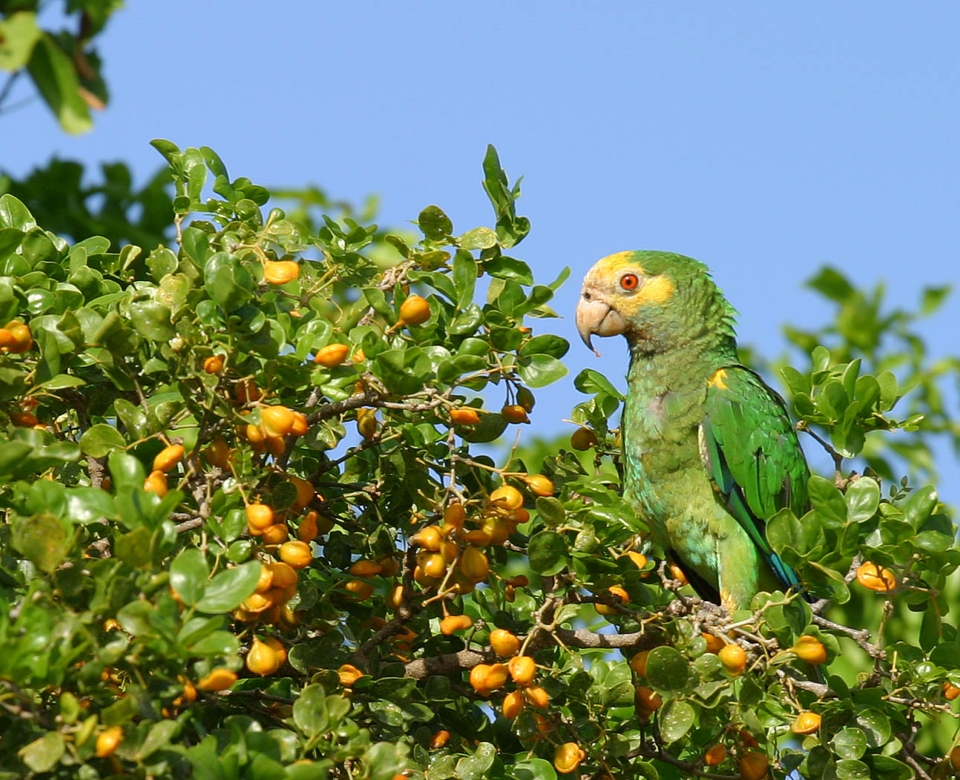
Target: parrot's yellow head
{"x":657,"y":300}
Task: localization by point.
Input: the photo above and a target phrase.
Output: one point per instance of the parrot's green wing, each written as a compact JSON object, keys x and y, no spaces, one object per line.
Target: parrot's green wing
{"x":753,"y":457}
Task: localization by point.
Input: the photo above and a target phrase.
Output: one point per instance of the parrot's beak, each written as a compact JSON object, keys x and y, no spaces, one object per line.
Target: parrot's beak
{"x":595,"y":317}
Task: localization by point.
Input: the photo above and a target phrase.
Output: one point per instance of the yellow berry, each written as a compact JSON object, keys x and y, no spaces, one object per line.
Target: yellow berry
{"x":568,"y":757}
{"x":805,"y":723}
{"x":108,"y":741}
{"x":280,"y":271}
{"x":415,"y":310}
{"x":331,"y":355}
{"x":219,"y":679}
{"x":734,"y":659}
{"x":875,"y":577}
{"x":810,"y":649}
{"x":504,"y":643}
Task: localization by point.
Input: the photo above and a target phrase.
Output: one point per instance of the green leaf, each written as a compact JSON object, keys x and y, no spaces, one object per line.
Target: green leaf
{"x":158,"y":736}
{"x":434,"y":223}
{"x":540,"y":370}
{"x":53,"y":72}
{"x":477,"y":766}
{"x":229,"y":588}
{"x":478,"y":238}
{"x":547,"y":551}
{"x":100,"y":440}
{"x":18,"y":35}
{"x":465,"y":280}
{"x":667,"y":670}
{"x":850,"y":743}
{"x":827,"y":501}
{"x":43,"y":754}
{"x":592,"y":382}
{"x":875,"y":725}
{"x":534,"y":769}
{"x":863,"y":500}
{"x":188,"y":575}
{"x":849,"y":769}
{"x":42,"y":539}
{"x":920,"y":505}
{"x":676,"y":720}
{"x":509,"y":268}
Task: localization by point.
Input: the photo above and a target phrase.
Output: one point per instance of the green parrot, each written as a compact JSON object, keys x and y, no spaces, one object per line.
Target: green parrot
{"x":709,"y":452}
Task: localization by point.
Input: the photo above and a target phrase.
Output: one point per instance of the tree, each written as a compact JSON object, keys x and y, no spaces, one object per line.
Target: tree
{"x":251,"y":529}
{"x":253,"y":526}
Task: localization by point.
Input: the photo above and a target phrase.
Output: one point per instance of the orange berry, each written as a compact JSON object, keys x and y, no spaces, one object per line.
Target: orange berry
{"x":331,"y":355}
{"x":305,"y":491}
{"x":464,"y":416}
{"x":637,"y":559}
{"x":453,"y":623}
{"x":734,"y":659}
{"x":259,"y":518}
{"x":568,"y":757}
{"x":22,"y":337}
{"x":217,"y":453}
{"x":474,"y":565}
{"x":276,"y":421}
{"x":300,"y":424}
{"x":622,"y":597}
{"x":255,"y":434}
{"x":875,"y":577}
{"x":522,"y":669}
{"x":415,"y":310}
{"x":168,"y":457}
{"x":950,"y":691}
{"x":349,"y":674}
{"x":537,"y":697}
{"x":280,"y":271}
{"x":714,"y":756}
{"x":395,"y":596}
{"x":265,"y":582}
{"x":806,"y":723}
{"x":359,"y":589}
{"x":278,"y":647}
{"x":439,"y":739}
{"x":296,"y":554}
{"x":810,"y":649}
{"x":639,"y":663}
{"x":246,"y":391}
{"x":539,"y":485}
{"x":7,"y":340}
{"x":156,"y":482}
{"x":365,"y":568}
{"x":506,"y":497}
{"x":714,"y":643}
{"x":389,"y":565}
{"x":512,"y":704}
{"x":213,"y":364}
{"x":677,"y":573}
{"x":277,"y":533}
{"x":429,"y":538}
{"x":504,"y":643}
{"x":308,"y":529}
{"x":433,"y":564}
{"x":367,"y":423}
{"x":753,"y":765}
{"x":108,"y":741}
{"x":514,"y":413}
{"x":485,"y":678}
{"x":955,"y":757}
{"x":219,"y":679}
{"x":24,"y":419}
{"x":646,"y":702}
{"x":583,"y":439}
{"x":284,"y":576}
{"x":454,"y":514}
{"x":261,"y":659}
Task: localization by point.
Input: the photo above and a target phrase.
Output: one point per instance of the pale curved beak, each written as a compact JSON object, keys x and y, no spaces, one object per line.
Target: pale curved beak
{"x":595,"y":317}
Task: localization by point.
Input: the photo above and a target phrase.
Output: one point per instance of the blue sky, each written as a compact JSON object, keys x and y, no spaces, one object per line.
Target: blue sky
{"x":763,"y":138}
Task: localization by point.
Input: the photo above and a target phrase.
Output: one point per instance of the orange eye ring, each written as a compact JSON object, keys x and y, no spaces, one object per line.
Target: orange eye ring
{"x":629,"y":282}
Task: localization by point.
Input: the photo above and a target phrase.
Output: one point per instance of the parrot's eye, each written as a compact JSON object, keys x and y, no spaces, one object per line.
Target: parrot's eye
{"x":629,"y":282}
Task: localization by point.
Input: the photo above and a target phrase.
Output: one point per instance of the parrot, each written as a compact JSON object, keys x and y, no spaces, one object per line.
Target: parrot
{"x":709,"y":452}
